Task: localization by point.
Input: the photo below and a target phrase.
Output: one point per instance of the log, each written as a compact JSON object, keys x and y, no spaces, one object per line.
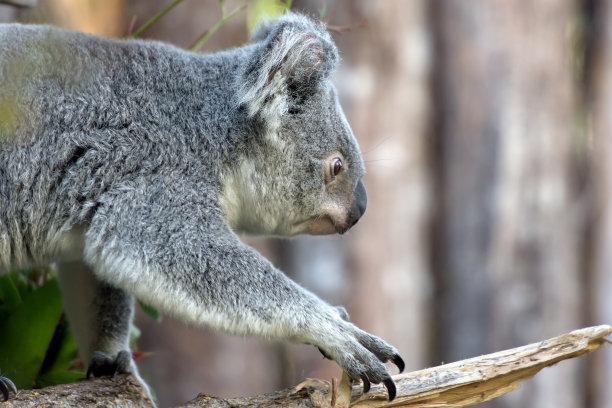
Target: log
{"x":459,"y":384}
{"x":483,"y":378}
{"x":121,"y":391}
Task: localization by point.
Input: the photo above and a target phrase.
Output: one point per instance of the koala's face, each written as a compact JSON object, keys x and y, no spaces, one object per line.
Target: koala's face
{"x":305,"y":177}
{"x":301,"y":169}
{"x":327,"y":165}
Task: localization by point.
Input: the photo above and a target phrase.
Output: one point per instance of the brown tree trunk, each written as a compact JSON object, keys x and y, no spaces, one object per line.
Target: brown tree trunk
{"x":506,"y":255}
{"x":599,"y":73}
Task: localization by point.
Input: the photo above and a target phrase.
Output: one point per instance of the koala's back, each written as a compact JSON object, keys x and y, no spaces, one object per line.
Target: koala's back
{"x":80,"y":115}
{"x":70,"y":81}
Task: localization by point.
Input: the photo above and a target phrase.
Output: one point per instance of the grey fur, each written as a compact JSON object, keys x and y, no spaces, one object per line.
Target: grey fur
{"x":142,"y":161}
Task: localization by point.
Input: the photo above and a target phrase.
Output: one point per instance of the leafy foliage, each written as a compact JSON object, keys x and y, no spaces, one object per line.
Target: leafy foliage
{"x":36,"y":346}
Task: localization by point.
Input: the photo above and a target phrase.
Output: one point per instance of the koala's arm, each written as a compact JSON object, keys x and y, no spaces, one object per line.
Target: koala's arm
{"x":164,"y":239}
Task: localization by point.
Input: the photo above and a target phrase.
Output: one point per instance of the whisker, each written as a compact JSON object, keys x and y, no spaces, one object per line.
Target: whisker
{"x":370,"y":150}
{"x":377,"y":160}
{"x":384,"y":167}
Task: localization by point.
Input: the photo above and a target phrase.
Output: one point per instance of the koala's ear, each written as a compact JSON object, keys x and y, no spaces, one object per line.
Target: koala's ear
{"x":291,"y":57}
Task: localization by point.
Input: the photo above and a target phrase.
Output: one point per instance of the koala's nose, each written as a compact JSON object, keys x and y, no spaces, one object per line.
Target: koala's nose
{"x":359,"y":207}
{"x":361,"y":198}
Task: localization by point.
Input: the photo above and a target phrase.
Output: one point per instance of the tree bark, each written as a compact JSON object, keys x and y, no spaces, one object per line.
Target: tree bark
{"x":599,"y":74}
{"x":123,"y":391}
{"x":459,"y":384}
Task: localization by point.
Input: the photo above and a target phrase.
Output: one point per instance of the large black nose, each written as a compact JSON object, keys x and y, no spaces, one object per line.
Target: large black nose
{"x":361,"y":197}
{"x":359,"y":206}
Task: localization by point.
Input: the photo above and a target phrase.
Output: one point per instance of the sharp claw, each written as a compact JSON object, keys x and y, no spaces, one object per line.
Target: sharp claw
{"x":4,"y":390}
{"x":397,"y":360}
{"x":366,"y":384}
{"x":390,"y":385}
{"x":11,"y":384}
{"x":6,"y":386}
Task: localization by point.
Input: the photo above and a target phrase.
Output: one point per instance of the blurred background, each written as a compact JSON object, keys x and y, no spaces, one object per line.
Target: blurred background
{"x":486,"y":127}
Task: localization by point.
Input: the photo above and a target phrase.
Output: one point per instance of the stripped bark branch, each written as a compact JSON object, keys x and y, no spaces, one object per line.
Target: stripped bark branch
{"x":458,"y":384}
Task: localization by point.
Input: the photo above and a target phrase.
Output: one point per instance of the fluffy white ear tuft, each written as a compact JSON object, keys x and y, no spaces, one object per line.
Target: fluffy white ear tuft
{"x":293,"y":55}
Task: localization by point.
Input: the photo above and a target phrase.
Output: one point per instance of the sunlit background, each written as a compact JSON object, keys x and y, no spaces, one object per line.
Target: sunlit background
{"x":486,"y":127}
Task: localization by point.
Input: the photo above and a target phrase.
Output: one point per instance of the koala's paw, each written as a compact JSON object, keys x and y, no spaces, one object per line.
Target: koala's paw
{"x":102,"y":364}
{"x":362,"y":356}
{"x":341,"y":310}
{"x":6,"y":386}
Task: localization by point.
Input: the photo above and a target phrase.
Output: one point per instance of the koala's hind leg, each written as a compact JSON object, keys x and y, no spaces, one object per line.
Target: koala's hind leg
{"x":100,"y":317}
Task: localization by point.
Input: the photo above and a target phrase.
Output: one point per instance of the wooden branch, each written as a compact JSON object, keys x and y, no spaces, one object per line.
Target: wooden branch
{"x":120,"y":391}
{"x":480,"y":379}
{"x":459,"y":384}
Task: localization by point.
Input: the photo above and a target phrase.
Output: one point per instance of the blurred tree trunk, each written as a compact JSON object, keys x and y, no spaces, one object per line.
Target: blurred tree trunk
{"x":7,"y":14}
{"x":506,"y":256}
{"x":599,"y":74}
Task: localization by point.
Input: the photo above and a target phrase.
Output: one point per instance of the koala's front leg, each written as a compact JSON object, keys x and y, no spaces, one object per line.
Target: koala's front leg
{"x":168,"y":244}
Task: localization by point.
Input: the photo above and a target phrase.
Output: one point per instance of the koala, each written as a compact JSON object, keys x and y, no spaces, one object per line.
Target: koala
{"x":133,"y":165}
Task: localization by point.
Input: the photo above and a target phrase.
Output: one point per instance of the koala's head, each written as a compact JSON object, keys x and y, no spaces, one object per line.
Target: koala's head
{"x":300,"y":168}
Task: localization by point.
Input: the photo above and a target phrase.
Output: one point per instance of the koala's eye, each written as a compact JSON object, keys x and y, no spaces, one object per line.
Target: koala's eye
{"x":333,"y":166}
{"x":336,"y":167}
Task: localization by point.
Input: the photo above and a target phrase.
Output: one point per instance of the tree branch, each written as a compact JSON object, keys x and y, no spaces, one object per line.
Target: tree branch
{"x":458,"y":384}
{"x":120,"y":391}
{"x":480,"y":379}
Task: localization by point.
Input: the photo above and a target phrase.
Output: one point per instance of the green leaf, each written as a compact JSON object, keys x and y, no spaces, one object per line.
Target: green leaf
{"x":25,"y":334}
{"x":264,"y":9}
{"x":9,"y":294}
{"x":150,"y":311}
{"x":67,"y":353}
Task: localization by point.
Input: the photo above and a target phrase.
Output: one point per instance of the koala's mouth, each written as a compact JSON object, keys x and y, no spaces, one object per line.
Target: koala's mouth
{"x":325,"y":225}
